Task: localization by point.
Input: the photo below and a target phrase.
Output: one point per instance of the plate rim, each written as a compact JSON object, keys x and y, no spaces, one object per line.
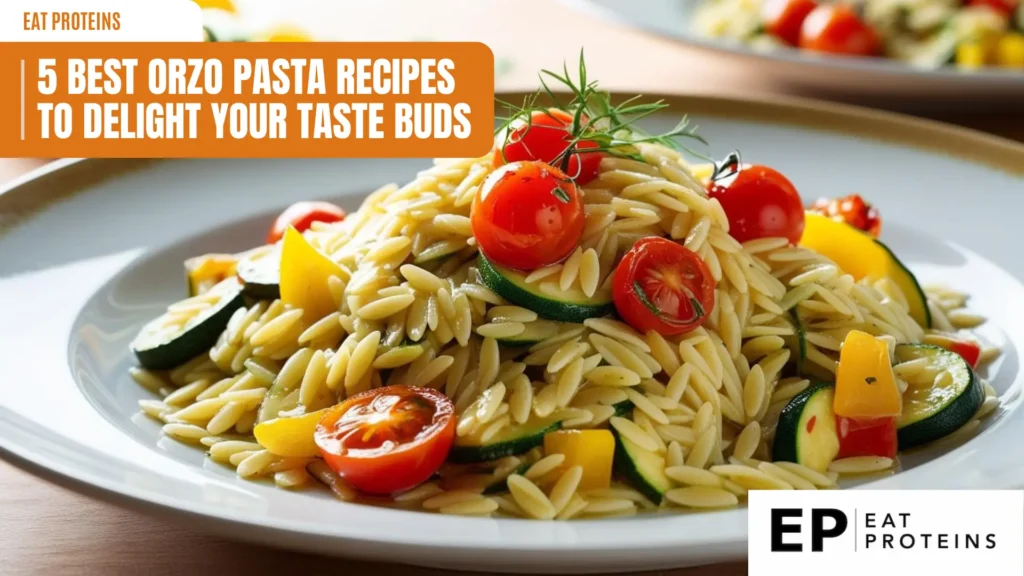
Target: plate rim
{"x":885,"y":66}
{"x":37,"y":189}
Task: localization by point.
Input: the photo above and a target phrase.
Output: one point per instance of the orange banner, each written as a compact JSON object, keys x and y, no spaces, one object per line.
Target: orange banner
{"x":246,"y":100}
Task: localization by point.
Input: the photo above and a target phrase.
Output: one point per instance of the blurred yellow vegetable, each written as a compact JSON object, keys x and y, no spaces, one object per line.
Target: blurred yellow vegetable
{"x":970,"y":55}
{"x":226,"y":5}
{"x":1010,"y":51}
{"x":290,"y":436}
{"x":204,"y":272}
{"x":304,"y":276}
{"x":591,"y":449}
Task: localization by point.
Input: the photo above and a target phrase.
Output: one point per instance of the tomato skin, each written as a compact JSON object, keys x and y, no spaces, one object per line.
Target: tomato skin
{"x":527,"y":215}
{"x":836,"y":29}
{"x":669,"y":276}
{"x":853,"y":210}
{"x":544,"y":139}
{"x":876,"y":437}
{"x":420,"y":428}
{"x":301,"y":215}
{"x":1004,"y":7}
{"x":783,"y":18}
{"x":760,"y":203}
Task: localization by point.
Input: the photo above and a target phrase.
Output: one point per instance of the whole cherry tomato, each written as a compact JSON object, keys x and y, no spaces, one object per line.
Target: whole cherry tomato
{"x":783,"y":18}
{"x":660,"y":285}
{"x":301,"y":215}
{"x":527,"y":215}
{"x":759,"y":201}
{"x":836,"y":29}
{"x":545,"y":138}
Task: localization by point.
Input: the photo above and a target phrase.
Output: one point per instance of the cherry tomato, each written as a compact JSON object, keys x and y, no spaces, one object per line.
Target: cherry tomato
{"x":836,"y":29}
{"x":660,"y":285}
{"x":759,"y":201}
{"x":527,"y":215}
{"x":389,"y":439}
{"x":1003,"y":7}
{"x":853,"y":210}
{"x":965,"y":346}
{"x":783,"y":18}
{"x":301,"y":215}
{"x":875,"y":437}
{"x":545,"y":138}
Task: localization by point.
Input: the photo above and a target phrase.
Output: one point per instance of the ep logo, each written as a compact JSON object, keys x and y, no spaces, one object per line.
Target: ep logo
{"x":822,"y":523}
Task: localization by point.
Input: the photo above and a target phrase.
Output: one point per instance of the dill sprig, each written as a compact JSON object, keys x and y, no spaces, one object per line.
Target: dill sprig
{"x":611,"y":128}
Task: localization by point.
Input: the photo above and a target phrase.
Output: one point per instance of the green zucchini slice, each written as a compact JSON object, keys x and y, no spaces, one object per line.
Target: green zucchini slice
{"x":513,"y":440}
{"x":163,"y":345}
{"x":260,"y":272}
{"x":806,"y":432}
{"x":644,"y":469}
{"x":933,"y":411}
{"x":570,"y":306}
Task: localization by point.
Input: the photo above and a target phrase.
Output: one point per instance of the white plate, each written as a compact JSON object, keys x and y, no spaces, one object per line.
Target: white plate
{"x":890,"y":82}
{"x":93,"y":249}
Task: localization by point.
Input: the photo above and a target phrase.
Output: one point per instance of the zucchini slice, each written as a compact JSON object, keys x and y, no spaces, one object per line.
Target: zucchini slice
{"x":570,"y":306}
{"x":806,"y":432}
{"x":642,"y":468}
{"x":536,"y":331}
{"x":260,"y":272}
{"x":163,"y":345}
{"x":931,"y":412}
{"x":513,"y":440}
{"x":501,"y":486}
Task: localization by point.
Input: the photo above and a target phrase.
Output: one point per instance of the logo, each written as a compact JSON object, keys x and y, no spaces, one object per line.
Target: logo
{"x":886,"y":532}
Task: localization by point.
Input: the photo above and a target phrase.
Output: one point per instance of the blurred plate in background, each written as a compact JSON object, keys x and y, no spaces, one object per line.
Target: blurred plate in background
{"x":888,"y":81}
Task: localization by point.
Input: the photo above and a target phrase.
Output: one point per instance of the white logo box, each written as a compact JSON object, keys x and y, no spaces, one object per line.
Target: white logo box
{"x":899,"y":532}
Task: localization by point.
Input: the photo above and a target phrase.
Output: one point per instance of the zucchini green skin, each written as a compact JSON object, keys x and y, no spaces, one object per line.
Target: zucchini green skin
{"x":950,"y":416}
{"x":517,"y":440}
{"x":504,"y":283}
{"x":789,"y":432}
{"x":501,"y":486}
{"x":623,"y":408}
{"x":195,"y":340}
{"x":261,"y":278}
{"x":925,"y":313}
{"x":628,"y":463}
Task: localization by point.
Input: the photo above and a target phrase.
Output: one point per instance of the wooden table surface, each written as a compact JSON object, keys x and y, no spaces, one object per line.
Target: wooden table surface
{"x":48,"y":530}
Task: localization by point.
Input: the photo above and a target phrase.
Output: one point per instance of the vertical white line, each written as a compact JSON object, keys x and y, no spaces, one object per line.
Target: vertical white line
{"x":23,"y":100}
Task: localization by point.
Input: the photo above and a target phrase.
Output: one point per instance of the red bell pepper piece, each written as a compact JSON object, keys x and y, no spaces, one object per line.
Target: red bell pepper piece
{"x":875,"y":437}
{"x":967,"y":348}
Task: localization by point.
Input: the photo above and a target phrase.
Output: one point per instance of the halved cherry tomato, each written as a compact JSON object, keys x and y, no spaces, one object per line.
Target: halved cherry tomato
{"x":527,"y":215}
{"x":545,"y":138}
{"x":853,"y":210}
{"x":759,"y":201}
{"x":967,"y":348}
{"x":876,"y":437}
{"x":783,"y":18}
{"x":301,"y":215}
{"x":836,"y":29}
{"x":660,"y":285}
{"x":1004,"y":7}
{"x":389,"y":439}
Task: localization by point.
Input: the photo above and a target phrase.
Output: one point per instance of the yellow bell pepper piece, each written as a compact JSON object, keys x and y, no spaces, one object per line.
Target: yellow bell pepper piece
{"x":591,"y":449}
{"x":304,"y":275}
{"x":290,"y":436}
{"x":970,"y":55}
{"x":865,"y":384}
{"x":861,"y":256}
{"x":225,"y":5}
{"x":1010,"y":51}
{"x":205,"y":272}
